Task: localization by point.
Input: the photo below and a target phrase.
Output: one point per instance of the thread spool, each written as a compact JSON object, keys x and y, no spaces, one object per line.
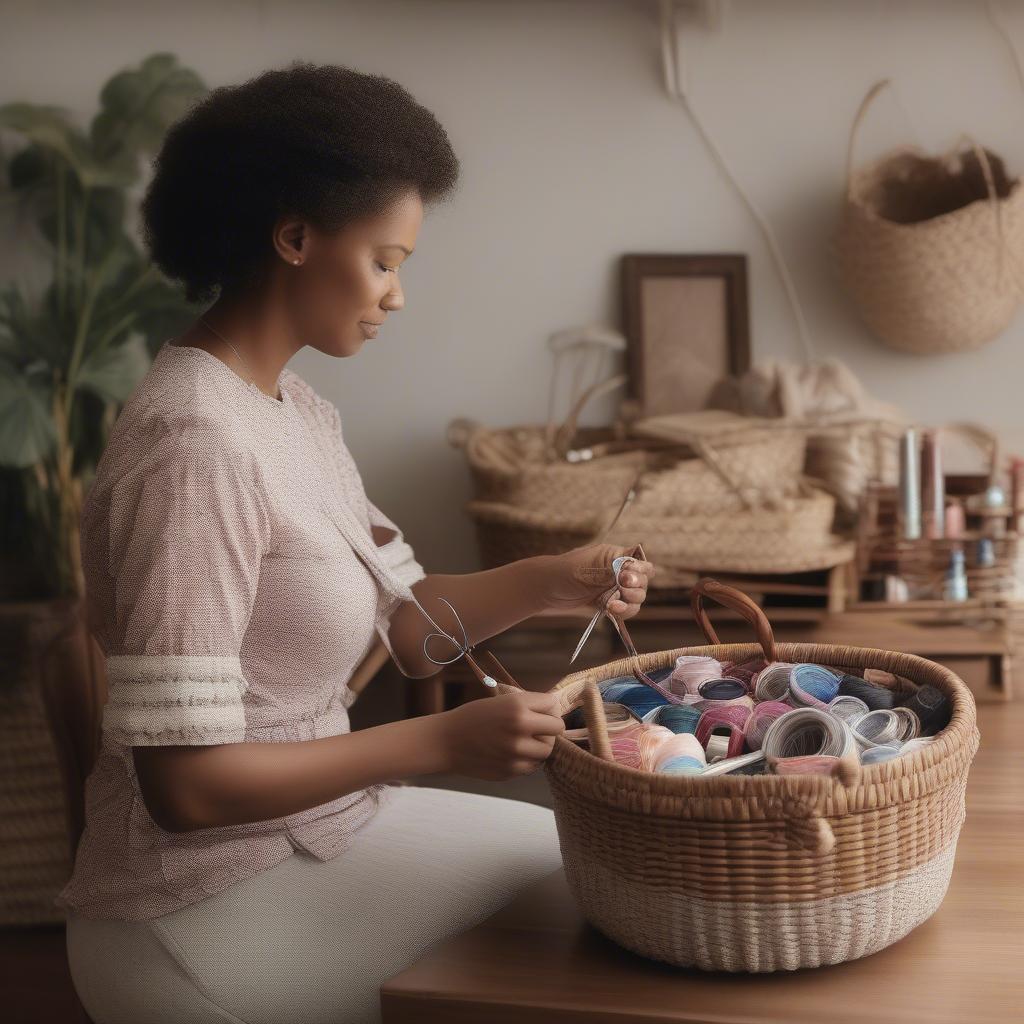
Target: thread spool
{"x":691,"y":670}
{"x":879,"y":728}
{"x":732,"y":719}
{"x":722,"y":689}
{"x":617,"y":716}
{"x":804,"y":732}
{"x":911,"y":723}
{"x":639,"y":697}
{"x":932,"y":708}
{"x":680,"y":755}
{"x":677,"y":718}
{"x":849,"y":709}
{"x":876,"y":755}
{"x":813,"y":686}
{"x":650,"y":740}
{"x":659,"y":675}
{"x":760,"y":718}
{"x":876,"y":697}
{"x":772,"y":682}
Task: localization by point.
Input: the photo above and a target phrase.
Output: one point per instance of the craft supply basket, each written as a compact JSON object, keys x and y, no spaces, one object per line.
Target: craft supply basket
{"x":930,"y":248}
{"x":762,"y":873}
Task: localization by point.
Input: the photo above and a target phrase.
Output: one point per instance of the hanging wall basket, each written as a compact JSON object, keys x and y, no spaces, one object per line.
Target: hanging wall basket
{"x":930,"y":248}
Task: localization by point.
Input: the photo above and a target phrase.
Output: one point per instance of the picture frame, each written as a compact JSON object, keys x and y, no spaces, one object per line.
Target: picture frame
{"x":686,"y":322}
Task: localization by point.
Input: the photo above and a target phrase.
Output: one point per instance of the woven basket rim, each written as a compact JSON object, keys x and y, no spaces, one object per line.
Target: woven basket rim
{"x":856,"y":203}
{"x":884,"y":780}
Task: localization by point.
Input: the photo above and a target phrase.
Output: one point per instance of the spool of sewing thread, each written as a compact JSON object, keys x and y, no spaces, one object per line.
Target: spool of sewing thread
{"x":813,"y":686}
{"x":722,"y":689}
{"x":772,"y":682}
{"x":911,"y":723}
{"x":932,"y":708}
{"x":680,"y":755}
{"x":618,"y":717}
{"x":625,"y":744}
{"x":804,"y":732}
{"x":876,"y":755}
{"x":650,"y":740}
{"x":848,"y":708}
{"x":760,"y":718}
{"x":677,"y":718}
{"x":874,"y":696}
{"x":639,"y":697}
{"x":729,"y":720}
{"x":881,"y":728}
{"x":691,"y":670}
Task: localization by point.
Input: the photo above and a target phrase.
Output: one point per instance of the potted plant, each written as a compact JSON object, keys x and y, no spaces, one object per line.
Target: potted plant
{"x":74,"y":343}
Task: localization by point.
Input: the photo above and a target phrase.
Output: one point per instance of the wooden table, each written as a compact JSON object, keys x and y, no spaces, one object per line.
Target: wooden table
{"x":537,"y":960}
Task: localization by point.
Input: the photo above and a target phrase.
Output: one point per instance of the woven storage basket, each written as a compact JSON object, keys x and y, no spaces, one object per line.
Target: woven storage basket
{"x":794,"y":535}
{"x":762,"y":873}
{"x":930,"y":248}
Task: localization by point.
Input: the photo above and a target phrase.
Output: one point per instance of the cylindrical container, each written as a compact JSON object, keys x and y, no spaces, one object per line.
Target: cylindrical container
{"x":933,"y":487}
{"x":910,"y":486}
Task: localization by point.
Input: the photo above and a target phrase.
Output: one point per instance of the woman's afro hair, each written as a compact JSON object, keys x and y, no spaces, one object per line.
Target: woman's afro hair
{"x":322,"y":142}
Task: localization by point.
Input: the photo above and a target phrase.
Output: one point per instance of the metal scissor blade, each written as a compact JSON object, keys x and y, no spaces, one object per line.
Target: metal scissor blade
{"x":586,"y":634}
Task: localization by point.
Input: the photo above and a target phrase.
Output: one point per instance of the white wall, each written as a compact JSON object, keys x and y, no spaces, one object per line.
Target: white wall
{"x":573,"y":154}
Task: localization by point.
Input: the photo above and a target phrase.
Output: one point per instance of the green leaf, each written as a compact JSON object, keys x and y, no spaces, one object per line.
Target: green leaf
{"x":27,"y":432}
{"x":139,"y":105}
{"x":113,"y":373}
{"x":49,"y":129}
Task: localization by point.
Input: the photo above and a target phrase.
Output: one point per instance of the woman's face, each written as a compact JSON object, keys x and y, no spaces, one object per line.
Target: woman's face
{"x":347,"y":283}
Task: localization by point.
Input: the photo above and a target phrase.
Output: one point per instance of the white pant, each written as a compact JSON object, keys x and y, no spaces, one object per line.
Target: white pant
{"x":310,"y":941}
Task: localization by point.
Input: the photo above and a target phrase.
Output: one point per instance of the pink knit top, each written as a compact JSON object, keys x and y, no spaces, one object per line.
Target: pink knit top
{"x":233,"y":585}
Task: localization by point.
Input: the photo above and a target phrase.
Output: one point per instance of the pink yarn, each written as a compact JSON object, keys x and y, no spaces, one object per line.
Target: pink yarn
{"x":809,"y":764}
{"x":692,"y":670}
{"x":732,"y":717}
{"x":760,"y":718}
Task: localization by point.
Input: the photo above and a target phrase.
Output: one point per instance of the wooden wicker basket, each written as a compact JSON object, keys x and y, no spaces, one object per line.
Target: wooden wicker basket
{"x":762,"y":873}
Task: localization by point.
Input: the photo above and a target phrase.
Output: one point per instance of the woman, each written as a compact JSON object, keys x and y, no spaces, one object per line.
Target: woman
{"x":246,"y":857}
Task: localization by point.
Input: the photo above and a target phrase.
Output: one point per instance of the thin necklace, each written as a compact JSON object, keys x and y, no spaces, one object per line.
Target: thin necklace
{"x":237,"y":353}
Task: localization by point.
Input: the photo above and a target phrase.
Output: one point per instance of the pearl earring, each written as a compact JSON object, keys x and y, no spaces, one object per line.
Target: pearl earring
{"x":296,"y":262}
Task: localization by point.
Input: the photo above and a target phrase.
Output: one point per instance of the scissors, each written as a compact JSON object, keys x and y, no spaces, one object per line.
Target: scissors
{"x":464,"y":648}
{"x":617,"y":564}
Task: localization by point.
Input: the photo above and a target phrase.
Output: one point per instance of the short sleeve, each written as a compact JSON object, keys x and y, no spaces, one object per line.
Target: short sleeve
{"x":187,"y":542}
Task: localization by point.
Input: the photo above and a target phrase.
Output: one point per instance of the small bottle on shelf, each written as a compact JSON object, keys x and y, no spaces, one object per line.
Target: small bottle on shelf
{"x":956,"y":577}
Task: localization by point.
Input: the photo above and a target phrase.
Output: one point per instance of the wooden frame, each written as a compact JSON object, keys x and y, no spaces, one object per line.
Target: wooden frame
{"x":673,"y":363}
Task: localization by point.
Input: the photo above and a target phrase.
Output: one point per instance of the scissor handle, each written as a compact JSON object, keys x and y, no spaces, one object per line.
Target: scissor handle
{"x":730,"y":597}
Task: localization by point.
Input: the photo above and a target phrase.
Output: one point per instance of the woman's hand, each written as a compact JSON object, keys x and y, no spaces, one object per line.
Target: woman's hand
{"x":500,"y":737}
{"x":584,"y":576}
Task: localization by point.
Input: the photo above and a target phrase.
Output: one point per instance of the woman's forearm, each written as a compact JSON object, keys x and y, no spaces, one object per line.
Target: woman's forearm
{"x":193,"y":787}
{"x":488,"y":602}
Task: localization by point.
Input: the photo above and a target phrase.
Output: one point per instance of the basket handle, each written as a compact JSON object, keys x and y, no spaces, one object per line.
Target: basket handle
{"x":597,"y":724}
{"x":986,"y":442}
{"x":561,"y":438}
{"x":735,"y":599}
{"x":855,"y":128}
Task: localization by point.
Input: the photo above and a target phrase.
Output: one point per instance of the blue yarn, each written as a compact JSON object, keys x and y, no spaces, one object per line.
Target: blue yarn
{"x":817,"y":681}
{"x":659,"y":675}
{"x":636,"y":696}
{"x":682,"y":766}
{"x":722,"y":689}
{"x":679,"y":718}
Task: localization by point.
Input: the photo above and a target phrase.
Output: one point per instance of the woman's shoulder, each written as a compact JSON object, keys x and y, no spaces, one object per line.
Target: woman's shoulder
{"x":320,"y":411}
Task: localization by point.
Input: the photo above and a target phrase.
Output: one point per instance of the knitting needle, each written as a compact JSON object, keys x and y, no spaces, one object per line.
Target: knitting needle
{"x":630,"y":495}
